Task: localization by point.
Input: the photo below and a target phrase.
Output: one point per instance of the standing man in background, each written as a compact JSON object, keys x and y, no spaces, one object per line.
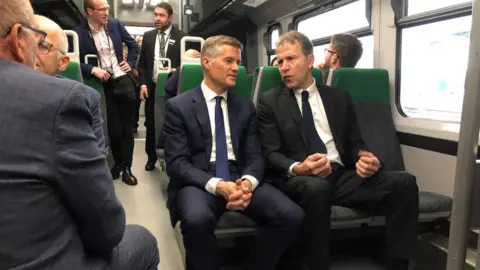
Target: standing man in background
{"x":103,"y":37}
{"x":162,"y":42}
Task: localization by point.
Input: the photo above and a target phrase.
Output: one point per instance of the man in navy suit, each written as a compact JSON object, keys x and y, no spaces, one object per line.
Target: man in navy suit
{"x":213,"y":157}
{"x":103,"y":37}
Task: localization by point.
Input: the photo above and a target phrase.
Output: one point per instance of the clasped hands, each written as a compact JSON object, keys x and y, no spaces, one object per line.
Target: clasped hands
{"x":237,"y":194}
{"x":319,"y":165}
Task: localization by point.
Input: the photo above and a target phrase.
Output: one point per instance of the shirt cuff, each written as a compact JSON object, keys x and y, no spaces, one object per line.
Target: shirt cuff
{"x":290,"y":170}
{"x":211,"y":185}
{"x":252,"y":180}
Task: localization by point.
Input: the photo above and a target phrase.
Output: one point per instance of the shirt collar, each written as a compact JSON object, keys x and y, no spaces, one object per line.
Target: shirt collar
{"x":311,"y":89}
{"x":209,"y":94}
{"x":167,"y":32}
{"x":94,"y":30}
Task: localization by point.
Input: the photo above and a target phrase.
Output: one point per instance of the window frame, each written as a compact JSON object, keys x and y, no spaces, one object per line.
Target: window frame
{"x":403,"y":21}
{"x":271,"y":51}
{"x":332,"y":5}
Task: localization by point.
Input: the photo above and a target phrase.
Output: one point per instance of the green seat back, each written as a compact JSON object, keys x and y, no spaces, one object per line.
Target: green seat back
{"x":363,"y":84}
{"x":94,"y":83}
{"x":243,"y":85}
{"x":190,"y":77}
{"x":161,"y":81}
{"x":72,"y":72}
{"x":269,"y":78}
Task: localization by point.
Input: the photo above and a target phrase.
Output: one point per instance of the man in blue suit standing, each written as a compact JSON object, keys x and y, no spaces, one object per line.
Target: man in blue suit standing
{"x":214,"y":160}
{"x":103,"y":37}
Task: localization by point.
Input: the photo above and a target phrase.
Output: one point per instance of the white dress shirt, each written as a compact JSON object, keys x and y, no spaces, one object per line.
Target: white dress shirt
{"x":210,"y":95}
{"x":106,"y":51}
{"x":321,"y":123}
{"x":157,"y":56}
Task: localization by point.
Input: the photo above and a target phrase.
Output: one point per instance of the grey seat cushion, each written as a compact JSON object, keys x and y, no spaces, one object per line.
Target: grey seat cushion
{"x":434,"y":203}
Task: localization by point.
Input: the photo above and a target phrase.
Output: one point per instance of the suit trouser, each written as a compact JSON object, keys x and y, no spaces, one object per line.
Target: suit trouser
{"x":136,"y":114}
{"x":120,"y":100}
{"x":137,"y":250}
{"x":278,"y":218}
{"x":150,"y":124}
{"x":395,"y":194}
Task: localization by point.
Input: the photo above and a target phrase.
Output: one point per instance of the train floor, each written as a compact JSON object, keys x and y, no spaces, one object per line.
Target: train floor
{"x":145,"y":204}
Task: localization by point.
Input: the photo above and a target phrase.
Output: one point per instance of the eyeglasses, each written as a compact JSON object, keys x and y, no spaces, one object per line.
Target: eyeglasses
{"x":46,"y":47}
{"x":104,"y":10}
{"x":41,"y":33}
{"x":330,"y":51}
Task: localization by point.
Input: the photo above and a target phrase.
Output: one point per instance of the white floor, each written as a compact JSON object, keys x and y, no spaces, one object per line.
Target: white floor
{"x":145,"y":204}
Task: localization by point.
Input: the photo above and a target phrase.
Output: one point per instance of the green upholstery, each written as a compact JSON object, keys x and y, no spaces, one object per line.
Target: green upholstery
{"x":161,"y":81}
{"x":190,"y":77}
{"x":243,"y":85}
{"x":269,"y":78}
{"x":72,"y":72}
{"x":363,"y":84}
{"x":94,"y":83}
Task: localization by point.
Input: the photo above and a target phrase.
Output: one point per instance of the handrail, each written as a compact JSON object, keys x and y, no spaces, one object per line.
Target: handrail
{"x":189,"y":60}
{"x":467,"y":152}
{"x":75,"y":55}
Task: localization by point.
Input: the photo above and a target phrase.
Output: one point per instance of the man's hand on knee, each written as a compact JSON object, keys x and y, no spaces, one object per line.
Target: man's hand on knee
{"x":236,"y":194}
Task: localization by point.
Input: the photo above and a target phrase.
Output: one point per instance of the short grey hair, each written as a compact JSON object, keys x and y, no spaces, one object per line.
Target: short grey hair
{"x":211,"y":46}
{"x":13,"y":12}
{"x":49,"y":25}
{"x":63,"y":44}
{"x":293,"y":37}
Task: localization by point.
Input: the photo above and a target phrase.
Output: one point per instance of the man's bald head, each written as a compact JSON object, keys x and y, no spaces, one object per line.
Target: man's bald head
{"x":52,"y":54}
{"x":18,"y":42}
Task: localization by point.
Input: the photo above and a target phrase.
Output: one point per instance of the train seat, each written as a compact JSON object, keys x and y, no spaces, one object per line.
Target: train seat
{"x":72,"y":72}
{"x":192,"y":75}
{"x":160,"y":116}
{"x":370,"y":92}
{"x":267,"y":78}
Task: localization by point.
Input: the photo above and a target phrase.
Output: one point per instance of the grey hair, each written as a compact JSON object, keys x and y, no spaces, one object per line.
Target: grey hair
{"x":63,"y":44}
{"x":13,"y":12}
{"x":293,"y":37}
{"x":211,"y":46}
{"x":46,"y":23}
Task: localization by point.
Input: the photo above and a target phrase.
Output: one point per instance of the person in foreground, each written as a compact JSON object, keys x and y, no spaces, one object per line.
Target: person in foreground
{"x":215,"y":165}
{"x":313,"y":144}
{"x":58,"y":206}
{"x":52,"y":58}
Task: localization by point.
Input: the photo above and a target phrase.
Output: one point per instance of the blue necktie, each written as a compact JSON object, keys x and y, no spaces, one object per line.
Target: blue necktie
{"x":315,"y":143}
{"x":221,"y":162}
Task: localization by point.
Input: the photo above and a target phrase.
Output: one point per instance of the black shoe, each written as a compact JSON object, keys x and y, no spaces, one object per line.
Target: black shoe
{"x":128,"y":178}
{"x":398,"y":264}
{"x":150,"y":166}
{"x":115,"y":171}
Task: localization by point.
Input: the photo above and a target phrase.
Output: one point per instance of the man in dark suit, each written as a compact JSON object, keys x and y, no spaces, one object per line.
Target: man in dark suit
{"x":313,"y":145}
{"x":52,"y":57}
{"x":214,"y":160}
{"x":103,"y":37}
{"x":162,"y":42}
{"x":58,"y":206}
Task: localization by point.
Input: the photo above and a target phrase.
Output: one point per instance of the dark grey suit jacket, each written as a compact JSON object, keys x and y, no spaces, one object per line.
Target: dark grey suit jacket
{"x":58,"y":208}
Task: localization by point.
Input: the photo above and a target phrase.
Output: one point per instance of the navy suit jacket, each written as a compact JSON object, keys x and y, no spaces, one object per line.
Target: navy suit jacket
{"x":117,"y":33}
{"x":58,"y":206}
{"x":188,"y":141}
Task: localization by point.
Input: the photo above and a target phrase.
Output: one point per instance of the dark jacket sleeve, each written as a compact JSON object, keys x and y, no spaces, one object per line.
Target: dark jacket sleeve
{"x":97,"y":121}
{"x":255,"y":164}
{"x":270,"y":137}
{"x":177,"y":151}
{"x":142,"y":64}
{"x":85,"y":67}
{"x":132,"y":45}
{"x":84,"y":179}
{"x":171,"y":86}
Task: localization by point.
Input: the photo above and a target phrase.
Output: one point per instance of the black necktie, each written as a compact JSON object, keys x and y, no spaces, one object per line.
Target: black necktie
{"x":221,"y":161}
{"x":162,"y":44}
{"x":315,"y":143}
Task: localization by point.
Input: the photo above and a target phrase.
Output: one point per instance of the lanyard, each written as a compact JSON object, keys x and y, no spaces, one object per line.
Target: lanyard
{"x":166,"y":42}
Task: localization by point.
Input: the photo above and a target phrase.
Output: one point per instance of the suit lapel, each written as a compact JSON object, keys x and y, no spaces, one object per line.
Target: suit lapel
{"x":292,"y":105}
{"x":152,"y":41}
{"x":329,"y":106}
{"x":199,"y":106}
{"x":233,"y":113}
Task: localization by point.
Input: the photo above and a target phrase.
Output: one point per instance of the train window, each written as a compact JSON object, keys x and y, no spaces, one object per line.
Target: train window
{"x":334,"y":21}
{"x":434,"y":59}
{"x":274,"y":36}
{"x":420,"y":6}
{"x":366,"y":61}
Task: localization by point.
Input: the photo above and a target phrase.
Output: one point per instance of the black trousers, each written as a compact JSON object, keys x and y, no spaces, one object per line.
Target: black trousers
{"x":120,"y":100}
{"x":279,"y":220}
{"x":394,"y":194}
{"x":136,"y":114}
{"x":150,"y":124}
